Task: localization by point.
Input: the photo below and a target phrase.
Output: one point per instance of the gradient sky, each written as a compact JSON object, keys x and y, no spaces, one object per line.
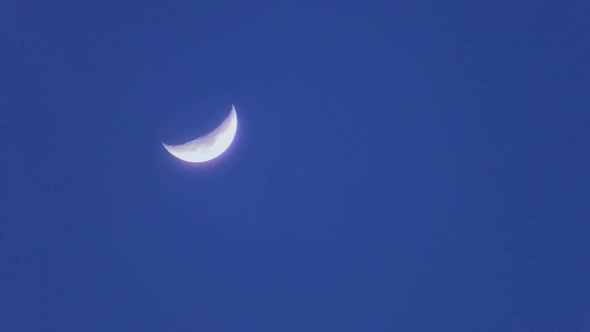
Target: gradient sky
{"x":398,"y":166}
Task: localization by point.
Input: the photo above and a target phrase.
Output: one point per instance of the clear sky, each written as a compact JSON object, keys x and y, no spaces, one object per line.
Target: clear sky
{"x":398,"y":166}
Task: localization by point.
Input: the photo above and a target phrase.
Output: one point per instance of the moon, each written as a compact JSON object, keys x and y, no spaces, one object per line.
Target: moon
{"x":210,"y":146}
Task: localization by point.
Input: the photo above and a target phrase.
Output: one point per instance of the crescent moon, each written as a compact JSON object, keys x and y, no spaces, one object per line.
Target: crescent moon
{"x":210,"y":146}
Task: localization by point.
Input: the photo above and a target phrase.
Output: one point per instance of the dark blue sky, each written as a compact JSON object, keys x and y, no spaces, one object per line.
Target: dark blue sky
{"x":398,"y":167}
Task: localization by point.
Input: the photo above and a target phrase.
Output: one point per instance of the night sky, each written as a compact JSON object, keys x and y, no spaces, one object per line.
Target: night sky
{"x":398,"y":166}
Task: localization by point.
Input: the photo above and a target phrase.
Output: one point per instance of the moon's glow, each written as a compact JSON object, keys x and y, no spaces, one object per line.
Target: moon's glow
{"x":209,"y":146}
